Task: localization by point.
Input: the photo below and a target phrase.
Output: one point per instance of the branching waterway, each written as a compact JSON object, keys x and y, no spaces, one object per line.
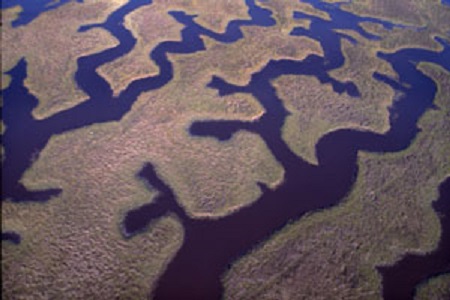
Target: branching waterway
{"x":211,"y":245}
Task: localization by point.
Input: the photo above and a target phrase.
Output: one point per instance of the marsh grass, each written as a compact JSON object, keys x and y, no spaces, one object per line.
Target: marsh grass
{"x":209,"y":177}
{"x":403,"y":11}
{"x":399,"y":38}
{"x":317,"y":110}
{"x":7,"y":16}
{"x":437,"y":288}
{"x":431,"y":16}
{"x":70,"y":250}
{"x":77,"y":234}
{"x":72,"y":246}
{"x":51,"y":54}
{"x":214,"y":15}
{"x":150,"y":25}
{"x":283,"y":11}
{"x":236,"y":62}
{"x":333,"y":253}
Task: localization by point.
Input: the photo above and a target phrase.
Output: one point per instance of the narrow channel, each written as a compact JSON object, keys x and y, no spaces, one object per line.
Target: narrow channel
{"x":400,"y":280}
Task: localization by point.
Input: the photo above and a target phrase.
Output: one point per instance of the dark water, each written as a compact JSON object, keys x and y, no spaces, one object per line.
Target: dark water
{"x":400,"y":280}
{"x":210,"y":246}
{"x":101,"y":105}
{"x":11,"y":236}
{"x":32,"y":9}
{"x":322,"y":30}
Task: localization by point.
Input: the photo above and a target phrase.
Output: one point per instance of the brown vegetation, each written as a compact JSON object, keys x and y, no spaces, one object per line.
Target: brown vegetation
{"x":317,"y":110}
{"x":72,"y":246}
{"x":236,"y":62}
{"x":437,"y":288}
{"x":332,"y":254}
{"x":430,"y":15}
{"x":399,"y":38}
{"x":7,"y":16}
{"x":77,"y":234}
{"x":214,"y":15}
{"x":209,"y":177}
{"x":413,"y":12}
{"x":283,"y":11}
{"x":152,"y":25}
{"x":51,"y":54}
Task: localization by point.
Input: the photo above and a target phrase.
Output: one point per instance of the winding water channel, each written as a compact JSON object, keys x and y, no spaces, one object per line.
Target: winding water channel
{"x":400,"y":280}
{"x":210,"y":246}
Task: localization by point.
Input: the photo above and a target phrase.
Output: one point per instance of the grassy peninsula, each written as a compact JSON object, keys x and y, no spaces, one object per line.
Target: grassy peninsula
{"x":52,"y":54}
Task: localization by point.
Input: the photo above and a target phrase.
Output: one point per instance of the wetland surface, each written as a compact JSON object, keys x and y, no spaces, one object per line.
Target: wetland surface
{"x":211,"y":245}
